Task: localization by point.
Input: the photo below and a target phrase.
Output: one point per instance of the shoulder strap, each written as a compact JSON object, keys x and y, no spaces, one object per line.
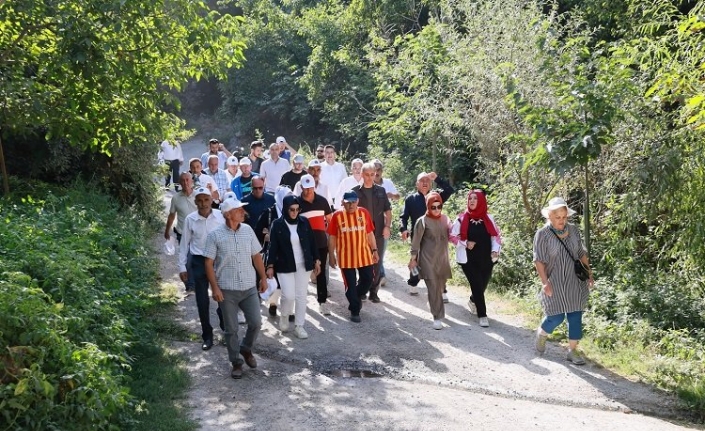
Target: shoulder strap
{"x":562,"y":243}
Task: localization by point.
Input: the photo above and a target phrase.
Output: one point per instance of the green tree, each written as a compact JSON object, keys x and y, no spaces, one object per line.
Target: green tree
{"x":98,"y":75}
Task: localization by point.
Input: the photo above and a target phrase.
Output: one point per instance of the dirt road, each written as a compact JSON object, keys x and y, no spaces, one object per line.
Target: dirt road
{"x":394,"y":372}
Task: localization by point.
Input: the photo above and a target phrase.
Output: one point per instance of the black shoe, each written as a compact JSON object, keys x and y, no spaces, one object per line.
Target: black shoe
{"x":375,"y":299}
{"x":236,"y":372}
{"x":363,"y":297}
{"x":292,"y":318}
{"x":272,"y":310}
{"x":207,"y":344}
{"x":355,"y":318}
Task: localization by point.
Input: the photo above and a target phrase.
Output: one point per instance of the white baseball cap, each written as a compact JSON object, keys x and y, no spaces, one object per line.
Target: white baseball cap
{"x":307,"y":182}
{"x":280,"y":140}
{"x":231,"y":204}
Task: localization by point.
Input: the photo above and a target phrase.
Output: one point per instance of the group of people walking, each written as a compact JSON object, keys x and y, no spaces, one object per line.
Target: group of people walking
{"x":254,"y":231}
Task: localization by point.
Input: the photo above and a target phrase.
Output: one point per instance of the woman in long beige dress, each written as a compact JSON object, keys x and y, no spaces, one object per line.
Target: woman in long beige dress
{"x":429,"y":254}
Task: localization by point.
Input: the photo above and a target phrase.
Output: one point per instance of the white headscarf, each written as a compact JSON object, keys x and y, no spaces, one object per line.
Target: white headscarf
{"x":279,"y":195}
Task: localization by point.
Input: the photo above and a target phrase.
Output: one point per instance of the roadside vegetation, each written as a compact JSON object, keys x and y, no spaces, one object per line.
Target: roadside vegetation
{"x":80,"y":317}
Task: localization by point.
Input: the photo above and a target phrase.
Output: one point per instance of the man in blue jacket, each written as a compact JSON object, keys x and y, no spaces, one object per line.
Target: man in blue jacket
{"x":415,"y":207}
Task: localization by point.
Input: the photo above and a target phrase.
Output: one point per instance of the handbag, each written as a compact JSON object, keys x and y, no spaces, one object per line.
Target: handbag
{"x":581,"y":271}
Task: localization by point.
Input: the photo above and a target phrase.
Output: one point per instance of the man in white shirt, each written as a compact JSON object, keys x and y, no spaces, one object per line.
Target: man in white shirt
{"x":272,"y":169}
{"x":197,"y":226}
{"x":172,"y":155}
{"x":332,"y":173}
{"x":388,"y":185}
{"x":349,"y":182}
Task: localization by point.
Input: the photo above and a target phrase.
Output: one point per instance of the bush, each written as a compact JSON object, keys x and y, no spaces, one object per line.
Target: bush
{"x":75,"y":275}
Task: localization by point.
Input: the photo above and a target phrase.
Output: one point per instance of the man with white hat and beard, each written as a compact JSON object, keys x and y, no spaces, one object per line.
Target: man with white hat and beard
{"x":232,"y":263}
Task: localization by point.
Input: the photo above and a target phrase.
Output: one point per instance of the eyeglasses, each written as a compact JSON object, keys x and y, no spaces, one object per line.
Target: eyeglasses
{"x":257,"y":188}
{"x":294,"y":210}
{"x":436,"y":207}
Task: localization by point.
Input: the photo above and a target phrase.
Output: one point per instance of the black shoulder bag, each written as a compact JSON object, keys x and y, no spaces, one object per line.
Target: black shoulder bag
{"x":581,"y":271}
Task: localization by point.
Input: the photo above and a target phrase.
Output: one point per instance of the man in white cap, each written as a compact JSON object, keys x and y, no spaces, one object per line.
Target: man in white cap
{"x":314,"y":169}
{"x":242,"y":185}
{"x":232,"y":263}
{"x":293,"y":176}
{"x":273,"y":169}
{"x":286,"y":152}
{"x":233,"y":170}
{"x":415,"y":207}
{"x":318,"y":212}
{"x":197,"y":226}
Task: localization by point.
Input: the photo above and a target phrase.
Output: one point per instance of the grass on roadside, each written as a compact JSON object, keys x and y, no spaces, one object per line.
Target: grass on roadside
{"x":159,"y":379}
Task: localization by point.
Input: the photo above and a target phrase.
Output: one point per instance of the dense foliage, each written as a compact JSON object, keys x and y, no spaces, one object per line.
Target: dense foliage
{"x":75,"y":282}
{"x":532,"y":99}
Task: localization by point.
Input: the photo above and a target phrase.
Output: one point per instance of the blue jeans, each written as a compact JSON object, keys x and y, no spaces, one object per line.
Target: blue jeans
{"x":248,"y":302}
{"x":381,"y":251}
{"x":355,"y":288}
{"x":575,"y":324}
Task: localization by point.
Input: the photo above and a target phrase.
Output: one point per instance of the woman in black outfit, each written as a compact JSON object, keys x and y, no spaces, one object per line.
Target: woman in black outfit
{"x":477,"y":244}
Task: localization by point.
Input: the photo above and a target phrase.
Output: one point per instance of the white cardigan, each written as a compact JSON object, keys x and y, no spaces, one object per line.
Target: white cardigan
{"x":461,"y":255}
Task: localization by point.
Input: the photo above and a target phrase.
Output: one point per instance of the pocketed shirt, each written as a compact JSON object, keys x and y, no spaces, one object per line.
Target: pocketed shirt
{"x":232,"y":252}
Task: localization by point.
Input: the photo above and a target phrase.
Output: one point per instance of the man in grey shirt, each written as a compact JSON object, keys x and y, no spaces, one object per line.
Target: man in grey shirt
{"x":233,"y":261}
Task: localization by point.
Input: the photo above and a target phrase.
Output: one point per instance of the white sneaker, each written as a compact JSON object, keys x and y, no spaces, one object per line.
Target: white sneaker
{"x":472,"y":307}
{"x":383,"y":281}
{"x":445,"y":298}
{"x":283,"y":323}
{"x":300,"y":332}
{"x":323,"y":309}
{"x":241,"y":317}
{"x":413,"y":290}
{"x":484,"y":322}
{"x":437,"y":325}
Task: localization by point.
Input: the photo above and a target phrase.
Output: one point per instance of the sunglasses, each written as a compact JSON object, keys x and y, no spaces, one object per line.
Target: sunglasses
{"x":294,"y":210}
{"x":436,"y":207}
{"x":257,"y":188}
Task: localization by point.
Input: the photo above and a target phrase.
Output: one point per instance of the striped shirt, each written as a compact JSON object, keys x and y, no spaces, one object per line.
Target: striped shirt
{"x":351,"y":231}
{"x":232,"y":251}
{"x":569,"y":293}
{"x":221,"y":181}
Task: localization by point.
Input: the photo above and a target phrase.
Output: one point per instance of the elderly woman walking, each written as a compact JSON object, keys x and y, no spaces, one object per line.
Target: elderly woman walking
{"x":429,"y":254}
{"x":563,"y":295}
{"x":477,"y":245}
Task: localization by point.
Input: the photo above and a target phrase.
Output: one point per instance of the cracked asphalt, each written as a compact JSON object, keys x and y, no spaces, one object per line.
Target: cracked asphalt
{"x":460,"y":377}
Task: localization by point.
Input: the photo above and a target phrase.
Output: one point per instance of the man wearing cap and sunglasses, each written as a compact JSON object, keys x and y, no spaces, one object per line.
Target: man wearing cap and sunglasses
{"x":232,"y":263}
{"x":242,"y":185}
{"x":352,"y":246}
{"x":197,"y":226}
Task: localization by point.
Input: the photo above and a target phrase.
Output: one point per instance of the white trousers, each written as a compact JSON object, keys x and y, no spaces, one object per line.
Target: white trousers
{"x":294,"y":287}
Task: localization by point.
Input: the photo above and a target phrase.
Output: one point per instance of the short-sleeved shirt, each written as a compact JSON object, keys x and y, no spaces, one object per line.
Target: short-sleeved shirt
{"x":182,"y":206}
{"x":272,"y":173}
{"x":316,"y":213}
{"x":333,"y":175}
{"x":232,"y":252}
{"x":351,"y":231}
{"x":221,"y":181}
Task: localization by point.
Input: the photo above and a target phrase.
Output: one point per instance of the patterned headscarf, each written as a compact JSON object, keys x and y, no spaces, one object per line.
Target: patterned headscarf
{"x":432,"y":198}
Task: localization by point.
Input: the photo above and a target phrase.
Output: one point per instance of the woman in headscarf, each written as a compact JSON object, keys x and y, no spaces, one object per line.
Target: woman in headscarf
{"x":477,"y":244}
{"x":292,"y":254}
{"x":563,"y":295}
{"x":262,"y":231}
{"x":429,"y":254}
